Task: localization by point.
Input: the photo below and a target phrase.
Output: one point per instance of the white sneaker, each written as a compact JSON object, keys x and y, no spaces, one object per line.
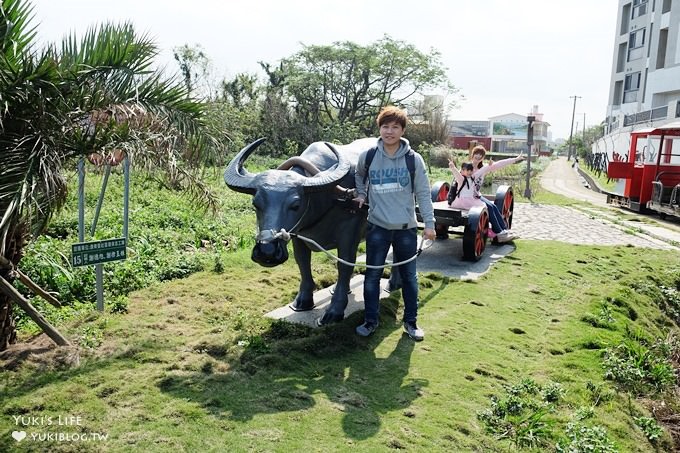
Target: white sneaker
{"x":506,"y":236}
{"x":414,"y":331}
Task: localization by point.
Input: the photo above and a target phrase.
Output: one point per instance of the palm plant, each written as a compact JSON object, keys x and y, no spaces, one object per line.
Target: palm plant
{"x":58,"y":104}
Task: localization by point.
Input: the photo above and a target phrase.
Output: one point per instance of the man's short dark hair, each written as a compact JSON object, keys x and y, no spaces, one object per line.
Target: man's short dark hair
{"x":467,"y":166}
{"x":391,"y":113}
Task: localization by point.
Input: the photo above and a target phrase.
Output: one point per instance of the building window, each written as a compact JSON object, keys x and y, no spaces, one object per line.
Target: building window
{"x":636,"y":43}
{"x":618,"y":89}
{"x":631,"y":87}
{"x":639,"y":8}
{"x":661,"y":49}
{"x":666,"y":7}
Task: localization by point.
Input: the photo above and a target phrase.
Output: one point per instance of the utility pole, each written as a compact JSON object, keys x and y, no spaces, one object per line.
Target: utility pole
{"x":571,"y":132}
{"x":584,"y":128}
{"x":530,"y":142}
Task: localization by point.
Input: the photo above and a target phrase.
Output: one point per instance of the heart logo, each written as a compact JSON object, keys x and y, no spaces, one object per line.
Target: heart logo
{"x":19,"y":435}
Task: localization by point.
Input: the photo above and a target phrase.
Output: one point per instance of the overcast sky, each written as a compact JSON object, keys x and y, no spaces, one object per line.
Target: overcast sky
{"x":504,"y":56}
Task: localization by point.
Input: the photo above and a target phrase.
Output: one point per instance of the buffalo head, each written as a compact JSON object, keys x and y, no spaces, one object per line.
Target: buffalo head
{"x":281,"y":199}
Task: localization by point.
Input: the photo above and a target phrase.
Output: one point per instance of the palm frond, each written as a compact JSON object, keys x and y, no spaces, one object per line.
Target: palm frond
{"x":16,"y":33}
{"x":95,"y":94}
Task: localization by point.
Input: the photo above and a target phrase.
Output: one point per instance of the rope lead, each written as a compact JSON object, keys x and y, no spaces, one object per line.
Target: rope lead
{"x":424,"y":245}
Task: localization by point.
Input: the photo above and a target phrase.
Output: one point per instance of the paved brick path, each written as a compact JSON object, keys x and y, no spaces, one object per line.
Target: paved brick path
{"x":594,"y":225}
{"x":549,"y":222}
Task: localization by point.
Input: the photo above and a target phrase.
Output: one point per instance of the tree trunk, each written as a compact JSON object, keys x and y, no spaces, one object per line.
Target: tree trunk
{"x":8,"y":333}
{"x":13,"y":252}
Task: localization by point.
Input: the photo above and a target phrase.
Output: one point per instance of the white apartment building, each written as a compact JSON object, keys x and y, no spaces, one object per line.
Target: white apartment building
{"x":645,"y":78}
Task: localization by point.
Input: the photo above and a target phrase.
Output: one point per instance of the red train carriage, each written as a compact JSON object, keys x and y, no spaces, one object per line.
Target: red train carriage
{"x":651,"y":171}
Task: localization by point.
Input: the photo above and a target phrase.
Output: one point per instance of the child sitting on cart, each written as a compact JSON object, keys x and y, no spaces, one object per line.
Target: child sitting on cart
{"x":468,"y":183}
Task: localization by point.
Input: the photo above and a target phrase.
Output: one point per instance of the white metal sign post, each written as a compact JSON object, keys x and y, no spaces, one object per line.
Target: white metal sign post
{"x":98,"y":252}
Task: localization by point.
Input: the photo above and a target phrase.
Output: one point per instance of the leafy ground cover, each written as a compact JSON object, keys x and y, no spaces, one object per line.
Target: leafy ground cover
{"x":171,"y":236}
{"x":194,"y":365}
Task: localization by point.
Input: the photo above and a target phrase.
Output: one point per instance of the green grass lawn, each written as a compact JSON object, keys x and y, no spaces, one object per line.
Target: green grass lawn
{"x":194,"y":366}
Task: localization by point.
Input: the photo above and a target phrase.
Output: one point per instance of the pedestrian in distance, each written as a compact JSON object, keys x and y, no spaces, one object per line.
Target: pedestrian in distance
{"x":391,"y":191}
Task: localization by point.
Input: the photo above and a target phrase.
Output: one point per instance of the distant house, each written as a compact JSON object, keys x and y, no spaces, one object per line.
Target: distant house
{"x":464,"y":134}
{"x":501,"y":134}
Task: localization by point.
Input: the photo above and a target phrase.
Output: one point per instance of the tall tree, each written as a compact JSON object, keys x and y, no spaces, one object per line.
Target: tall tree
{"x":347,"y":83}
{"x":196,"y":69}
{"x":64,"y":102}
{"x":428,"y":121}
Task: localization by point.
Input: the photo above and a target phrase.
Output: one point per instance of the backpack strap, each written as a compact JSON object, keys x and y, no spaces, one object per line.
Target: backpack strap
{"x":466,"y":183}
{"x":455,"y":190}
{"x":410,"y":165}
{"x":367,"y":163}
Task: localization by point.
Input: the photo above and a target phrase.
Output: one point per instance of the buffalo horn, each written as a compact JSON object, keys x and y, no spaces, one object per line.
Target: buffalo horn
{"x":330,"y":177}
{"x":237,"y":177}
{"x":300,"y":162}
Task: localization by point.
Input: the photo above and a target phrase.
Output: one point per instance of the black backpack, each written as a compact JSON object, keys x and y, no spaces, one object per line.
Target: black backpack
{"x":455,"y":191}
{"x":410,"y":165}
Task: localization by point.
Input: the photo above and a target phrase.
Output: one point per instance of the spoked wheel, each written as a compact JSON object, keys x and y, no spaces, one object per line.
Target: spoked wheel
{"x":475,"y":234}
{"x":505,"y":202}
{"x":440,"y":192}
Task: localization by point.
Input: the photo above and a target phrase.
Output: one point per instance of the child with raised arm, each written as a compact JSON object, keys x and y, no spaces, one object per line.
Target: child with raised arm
{"x":469,"y":186}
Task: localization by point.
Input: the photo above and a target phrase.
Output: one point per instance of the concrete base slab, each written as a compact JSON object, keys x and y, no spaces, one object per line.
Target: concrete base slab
{"x":322,"y":300}
{"x":443,"y":257}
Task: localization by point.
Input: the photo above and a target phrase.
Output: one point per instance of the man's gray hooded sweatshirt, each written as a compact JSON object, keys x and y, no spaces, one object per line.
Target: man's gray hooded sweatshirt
{"x":388,"y":189}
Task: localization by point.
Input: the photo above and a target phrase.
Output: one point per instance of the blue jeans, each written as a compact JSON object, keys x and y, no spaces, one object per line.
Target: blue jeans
{"x":404,"y":245}
{"x":495,"y":217}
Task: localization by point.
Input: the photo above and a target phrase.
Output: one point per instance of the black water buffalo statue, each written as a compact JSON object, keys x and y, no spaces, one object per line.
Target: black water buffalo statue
{"x":301,"y":197}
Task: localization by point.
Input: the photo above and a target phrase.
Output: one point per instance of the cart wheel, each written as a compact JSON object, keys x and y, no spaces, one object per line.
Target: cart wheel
{"x":439,"y":191}
{"x":505,"y":202}
{"x":475,"y":234}
{"x":442,"y":231}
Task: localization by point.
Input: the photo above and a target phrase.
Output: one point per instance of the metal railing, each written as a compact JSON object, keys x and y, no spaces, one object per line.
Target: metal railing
{"x":646,"y":116}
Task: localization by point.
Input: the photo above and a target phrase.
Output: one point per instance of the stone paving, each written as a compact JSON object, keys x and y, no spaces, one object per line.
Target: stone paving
{"x":558,"y":223}
{"x":588,"y":225}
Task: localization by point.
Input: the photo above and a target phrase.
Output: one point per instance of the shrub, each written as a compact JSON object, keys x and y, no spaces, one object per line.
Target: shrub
{"x":582,"y":438}
{"x":640,"y":369}
{"x":440,"y":155}
{"x":650,"y":427}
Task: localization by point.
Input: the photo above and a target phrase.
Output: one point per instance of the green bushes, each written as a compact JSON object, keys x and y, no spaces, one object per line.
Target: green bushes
{"x":169,"y":238}
{"x":642,"y":368}
{"x":584,"y":439}
{"x":528,"y":416}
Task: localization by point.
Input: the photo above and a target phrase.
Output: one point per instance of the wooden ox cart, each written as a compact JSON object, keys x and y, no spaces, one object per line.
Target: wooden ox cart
{"x":475,"y":221}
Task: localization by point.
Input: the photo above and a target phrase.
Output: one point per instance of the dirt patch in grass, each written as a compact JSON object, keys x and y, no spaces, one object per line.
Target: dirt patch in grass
{"x":40,"y":354}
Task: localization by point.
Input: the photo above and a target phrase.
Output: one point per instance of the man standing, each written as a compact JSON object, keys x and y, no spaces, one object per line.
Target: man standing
{"x":393,"y":180}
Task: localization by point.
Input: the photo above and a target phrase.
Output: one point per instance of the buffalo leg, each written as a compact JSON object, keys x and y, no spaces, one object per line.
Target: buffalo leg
{"x":336,"y":310}
{"x":347,"y":250}
{"x":303,"y":256}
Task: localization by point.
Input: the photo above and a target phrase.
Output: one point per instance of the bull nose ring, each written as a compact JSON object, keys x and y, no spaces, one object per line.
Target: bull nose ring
{"x":265,"y":236}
